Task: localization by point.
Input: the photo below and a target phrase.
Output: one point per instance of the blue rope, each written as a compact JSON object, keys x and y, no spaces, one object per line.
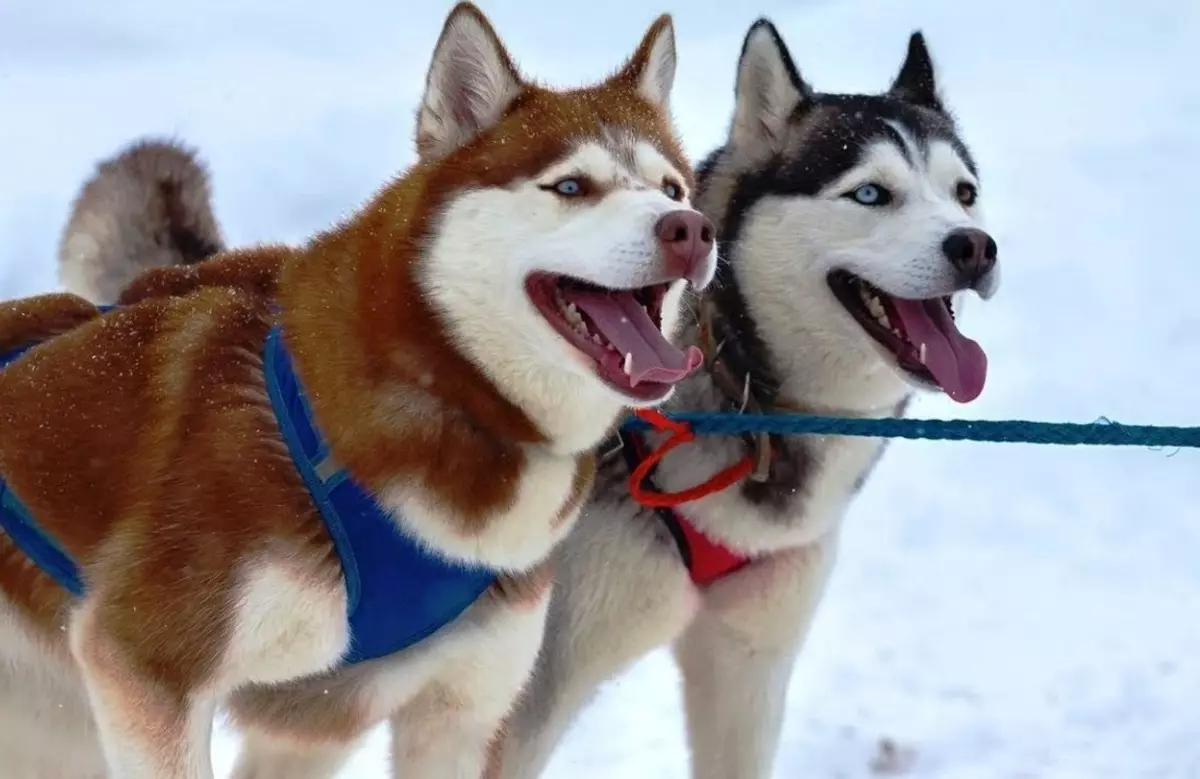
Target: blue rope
{"x":1100,"y":433}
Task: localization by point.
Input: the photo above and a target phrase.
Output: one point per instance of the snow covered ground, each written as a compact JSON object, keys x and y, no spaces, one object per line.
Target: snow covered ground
{"x":1000,"y":611}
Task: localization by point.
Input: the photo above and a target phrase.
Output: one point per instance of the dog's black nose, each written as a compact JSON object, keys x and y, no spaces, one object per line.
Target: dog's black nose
{"x":972,"y":252}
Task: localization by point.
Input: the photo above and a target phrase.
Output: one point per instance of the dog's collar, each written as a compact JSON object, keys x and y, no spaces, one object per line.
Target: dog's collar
{"x":398,"y":593}
{"x":743,"y":391}
{"x":706,"y":559}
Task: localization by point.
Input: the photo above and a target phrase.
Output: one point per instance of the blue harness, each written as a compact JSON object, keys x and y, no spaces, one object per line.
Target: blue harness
{"x":398,"y":593}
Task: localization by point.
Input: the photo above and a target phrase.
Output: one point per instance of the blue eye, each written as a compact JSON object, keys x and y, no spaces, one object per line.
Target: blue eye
{"x":568,"y":187}
{"x":672,"y":190}
{"x":870,"y":195}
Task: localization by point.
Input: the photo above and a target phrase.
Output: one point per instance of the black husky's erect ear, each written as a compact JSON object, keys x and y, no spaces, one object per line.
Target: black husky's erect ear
{"x":916,"y":82}
{"x":768,"y":89}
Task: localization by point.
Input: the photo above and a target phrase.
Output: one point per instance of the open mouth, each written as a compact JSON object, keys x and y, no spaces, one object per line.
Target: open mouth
{"x":620,"y":330}
{"x":921,"y":335}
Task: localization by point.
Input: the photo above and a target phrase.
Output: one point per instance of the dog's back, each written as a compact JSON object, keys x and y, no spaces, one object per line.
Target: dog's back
{"x":147,"y":206}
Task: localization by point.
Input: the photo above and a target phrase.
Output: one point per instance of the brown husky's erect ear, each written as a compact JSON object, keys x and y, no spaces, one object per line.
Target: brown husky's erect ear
{"x":651,"y":69}
{"x":471,"y":82}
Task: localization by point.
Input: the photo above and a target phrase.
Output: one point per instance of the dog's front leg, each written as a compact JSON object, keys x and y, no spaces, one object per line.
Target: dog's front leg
{"x":619,"y":593}
{"x":262,"y":758}
{"x":452,"y":727}
{"x":436,"y":739}
{"x":737,"y":657}
{"x":149,"y":728}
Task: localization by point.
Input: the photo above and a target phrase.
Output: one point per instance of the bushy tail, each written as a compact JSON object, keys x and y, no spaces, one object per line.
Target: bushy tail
{"x":148,"y":206}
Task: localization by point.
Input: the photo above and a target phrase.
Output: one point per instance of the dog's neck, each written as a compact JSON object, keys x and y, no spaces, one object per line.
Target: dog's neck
{"x":737,"y":376}
{"x":740,"y":374}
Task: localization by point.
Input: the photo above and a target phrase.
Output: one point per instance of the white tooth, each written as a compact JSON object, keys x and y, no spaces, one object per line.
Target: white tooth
{"x":921,"y":354}
{"x":598,"y":339}
{"x":628,"y":365}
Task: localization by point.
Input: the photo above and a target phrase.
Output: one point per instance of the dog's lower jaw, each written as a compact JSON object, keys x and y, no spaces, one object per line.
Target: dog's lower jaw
{"x":841,"y":373}
{"x":574,"y":411}
{"x":583,"y":426}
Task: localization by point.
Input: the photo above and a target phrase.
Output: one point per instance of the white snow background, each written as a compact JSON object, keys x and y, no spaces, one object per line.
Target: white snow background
{"x":1000,"y":611}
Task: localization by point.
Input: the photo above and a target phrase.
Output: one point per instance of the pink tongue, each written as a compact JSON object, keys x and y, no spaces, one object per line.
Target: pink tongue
{"x":956,"y":362}
{"x":628,"y":327}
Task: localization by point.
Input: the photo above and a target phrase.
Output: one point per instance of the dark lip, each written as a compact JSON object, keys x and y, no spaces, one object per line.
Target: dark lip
{"x":540,"y":287}
{"x":843,"y":284}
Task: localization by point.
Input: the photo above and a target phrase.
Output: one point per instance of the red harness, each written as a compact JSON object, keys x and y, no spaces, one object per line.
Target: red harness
{"x":706,"y":560}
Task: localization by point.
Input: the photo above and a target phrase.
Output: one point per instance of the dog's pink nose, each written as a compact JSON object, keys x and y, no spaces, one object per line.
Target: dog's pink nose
{"x":687,"y":241}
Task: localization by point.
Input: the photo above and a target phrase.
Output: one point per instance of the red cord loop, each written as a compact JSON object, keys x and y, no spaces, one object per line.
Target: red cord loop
{"x":681,"y":433}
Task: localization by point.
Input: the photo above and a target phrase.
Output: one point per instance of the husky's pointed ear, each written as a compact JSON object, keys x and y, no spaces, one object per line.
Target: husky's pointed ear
{"x":471,"y":82}
{"x":651,"y":69}
{"x":916,"y":82}
{"x":768,"y":89}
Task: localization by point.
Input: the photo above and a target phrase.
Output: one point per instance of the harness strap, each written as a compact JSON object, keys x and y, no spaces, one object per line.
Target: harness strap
{"x":399,"y":592}
{"x":631,"y":450}
{"x":707,"y":561}
{"x":19,"y":525}
{"x":43,"y":550}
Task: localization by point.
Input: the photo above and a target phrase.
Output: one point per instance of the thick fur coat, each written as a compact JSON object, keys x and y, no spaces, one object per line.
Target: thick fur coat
{"x":143,"y":440}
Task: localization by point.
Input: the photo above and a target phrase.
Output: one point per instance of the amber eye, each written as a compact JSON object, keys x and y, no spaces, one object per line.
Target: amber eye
{"x":967,"y":193}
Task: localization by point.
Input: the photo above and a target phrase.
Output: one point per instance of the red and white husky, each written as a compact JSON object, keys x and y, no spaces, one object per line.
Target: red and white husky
{"x":464,"y":340}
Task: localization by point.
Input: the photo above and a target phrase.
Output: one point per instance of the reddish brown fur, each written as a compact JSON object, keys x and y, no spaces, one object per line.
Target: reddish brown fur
{"x":33,"y":320}
{"x":469,"y":461}
{"x":144,"y":442}
{"x":254,"y":270}
{"x":155,"y":412}
{"x":331,"y":712}
{"x":25,"y":323}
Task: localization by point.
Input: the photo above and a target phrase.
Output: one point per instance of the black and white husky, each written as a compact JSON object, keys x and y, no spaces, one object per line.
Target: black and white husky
{"x":850,"y":230}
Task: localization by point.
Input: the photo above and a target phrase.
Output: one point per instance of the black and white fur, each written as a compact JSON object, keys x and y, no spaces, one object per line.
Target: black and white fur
{"x":777,"y":192}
